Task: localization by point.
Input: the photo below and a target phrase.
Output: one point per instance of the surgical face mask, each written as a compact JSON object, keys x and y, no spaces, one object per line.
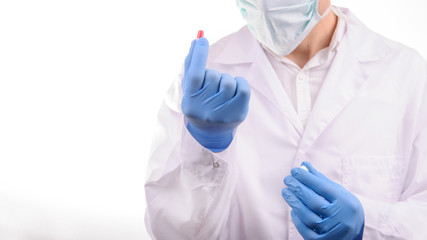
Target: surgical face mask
{"x":280,"y":25}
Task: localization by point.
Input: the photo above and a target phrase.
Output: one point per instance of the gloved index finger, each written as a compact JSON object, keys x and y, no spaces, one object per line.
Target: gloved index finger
{"x":197,"y":66}
{"x":312,"y":170}
{"x":320,"y":186}
{"x":310,"y":198}
{"x":187,"y":63}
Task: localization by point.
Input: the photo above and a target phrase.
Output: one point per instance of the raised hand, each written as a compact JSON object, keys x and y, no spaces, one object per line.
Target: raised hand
{"x":214,"y":103}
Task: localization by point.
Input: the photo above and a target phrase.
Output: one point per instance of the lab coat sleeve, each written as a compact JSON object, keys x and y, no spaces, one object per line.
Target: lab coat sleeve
{"x":407,"y":218}
{"x":189,"y":188}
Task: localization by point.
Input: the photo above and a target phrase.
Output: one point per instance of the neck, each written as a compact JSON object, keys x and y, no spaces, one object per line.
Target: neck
{"x":317,"y":39}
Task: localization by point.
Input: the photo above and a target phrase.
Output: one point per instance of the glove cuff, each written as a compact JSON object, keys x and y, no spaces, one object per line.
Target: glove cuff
{"x":360,"y":235}
{"x":214,"y":141}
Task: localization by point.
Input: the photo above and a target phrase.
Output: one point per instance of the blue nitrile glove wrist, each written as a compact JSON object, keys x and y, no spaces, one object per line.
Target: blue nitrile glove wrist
{"x":360,"y":235}
{"x":214,"y":141}
{"x":214,"y":103}
{"x":321,"y":208}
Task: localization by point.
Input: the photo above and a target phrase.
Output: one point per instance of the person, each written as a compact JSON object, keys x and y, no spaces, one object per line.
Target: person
{"x":304,"y":83}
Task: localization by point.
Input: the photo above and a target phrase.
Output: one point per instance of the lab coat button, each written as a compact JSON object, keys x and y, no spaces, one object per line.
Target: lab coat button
{"x":216,"y":165}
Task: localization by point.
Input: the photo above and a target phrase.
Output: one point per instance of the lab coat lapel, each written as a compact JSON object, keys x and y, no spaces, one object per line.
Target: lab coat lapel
{"x":344,"y":79}
{"x":260,"y":75}
{"x":346,"y":76}
{"x":270,"y":86}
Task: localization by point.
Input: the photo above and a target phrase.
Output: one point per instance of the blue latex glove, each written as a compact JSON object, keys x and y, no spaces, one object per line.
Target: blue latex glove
{"x":321,"y":208}
{"x":213,"y":103}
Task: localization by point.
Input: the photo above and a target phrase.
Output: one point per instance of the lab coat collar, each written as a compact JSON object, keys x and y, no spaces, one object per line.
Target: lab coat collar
{"x":365,"y":44}
{"x":241,"y":46}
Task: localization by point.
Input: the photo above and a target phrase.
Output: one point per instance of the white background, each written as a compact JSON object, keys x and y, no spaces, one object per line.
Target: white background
{"x":80,"y":85}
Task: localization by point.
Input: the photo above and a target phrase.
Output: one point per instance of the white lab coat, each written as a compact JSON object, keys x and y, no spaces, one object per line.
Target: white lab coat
{"x":367,"y":131}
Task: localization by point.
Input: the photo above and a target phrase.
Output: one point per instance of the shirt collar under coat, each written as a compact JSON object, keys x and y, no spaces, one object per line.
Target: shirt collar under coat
{"x":345,"y":77}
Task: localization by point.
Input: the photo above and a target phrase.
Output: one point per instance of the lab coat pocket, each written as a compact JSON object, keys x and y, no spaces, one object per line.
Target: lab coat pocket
{"x":377,"y":177}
